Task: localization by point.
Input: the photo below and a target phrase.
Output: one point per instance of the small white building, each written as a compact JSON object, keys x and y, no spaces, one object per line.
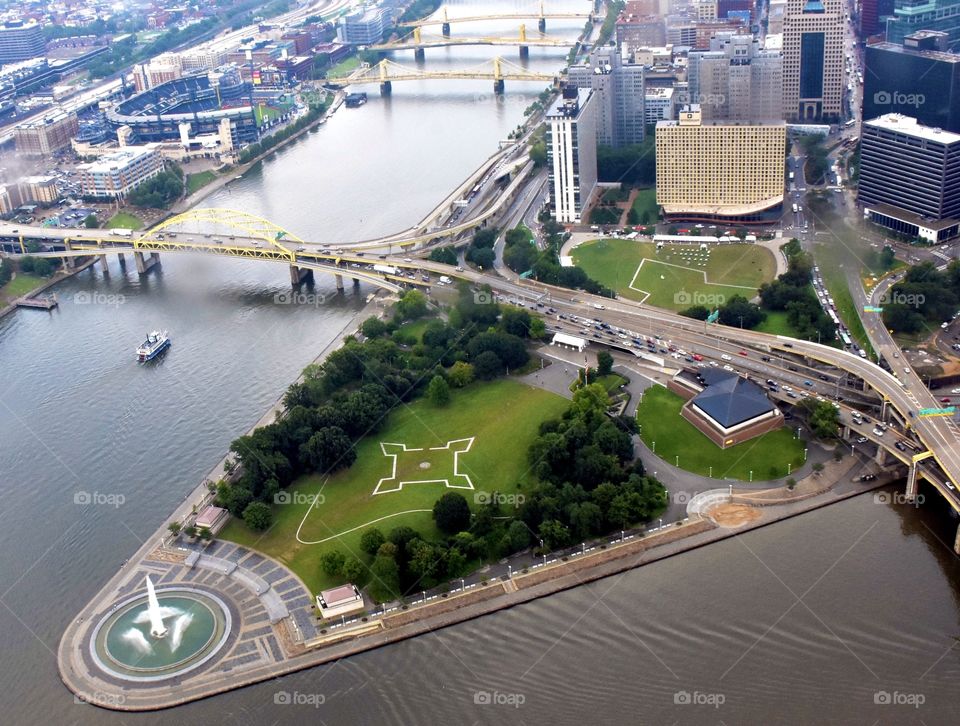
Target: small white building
{"x":569,"y":341}
{"x":340,"y":601}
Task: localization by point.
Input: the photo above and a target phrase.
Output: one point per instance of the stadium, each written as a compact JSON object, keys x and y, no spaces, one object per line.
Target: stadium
{"x":202,"y":100}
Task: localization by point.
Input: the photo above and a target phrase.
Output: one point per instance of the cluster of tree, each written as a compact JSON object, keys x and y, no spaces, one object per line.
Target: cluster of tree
{"x":161,"y":191}
{"x":817,"y":161}
{"x":924,"y":295}
{"x":6,"y":271}
{"x":520,"y":251}
{"x":446,"y":255}
{"x":635,"y":164}
{"x":736,"y":312}
{"x":822,"y":416}
{"x":538,"y":141}
{"x":419,"y":9}
{"x":480,"y":252}
{"x":792,"y":292}
{"x":255,"y":149}
{"x":607,"y":211}
{"x":614,"y":9}
{"x":39,"y":266}
{"x":350,"y":394}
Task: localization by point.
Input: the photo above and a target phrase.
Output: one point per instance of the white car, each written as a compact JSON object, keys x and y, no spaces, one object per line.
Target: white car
{"x":725,"y":357}
{"x":728,"y":368}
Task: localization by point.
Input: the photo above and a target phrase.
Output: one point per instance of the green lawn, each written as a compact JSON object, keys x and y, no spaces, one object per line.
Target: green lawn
{"x":344,"y":67}
{"x":19,"y":286}
{"x":199,"y":180}
{"x":663,"y":429}
{"x":674,"y":277}
{"x":503,"y":417}
{"x":776,"y":324}
{"x":646,"y":201}
{"x":415,"y":328}
{"x":124,"y":220}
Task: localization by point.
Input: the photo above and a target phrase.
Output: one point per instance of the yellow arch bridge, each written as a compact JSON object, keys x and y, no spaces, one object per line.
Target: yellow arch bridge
{"x":386,"y":72}
{"x":229,"y":233}
{"x":417,"y":42}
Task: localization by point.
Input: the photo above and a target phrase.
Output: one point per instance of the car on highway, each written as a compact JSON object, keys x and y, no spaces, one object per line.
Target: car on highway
{"x":698,"y":357}
{"x":728,"y":368}
{"x":877,"y":432}
{"x":743,"y":353}
{"x":793,"y":368}
{"x":809,"y":384}
{"x":725,"y":357}
{"x":861,"y":439}
{"x":868,"y":477}
{"x":944,"y":400}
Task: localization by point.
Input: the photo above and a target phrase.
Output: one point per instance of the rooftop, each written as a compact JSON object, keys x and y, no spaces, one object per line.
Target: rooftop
{"x":119,"y":158}
{"x":938,"y":55}
{"x":730,"y":400}
{"x":909,"y":126}
{"x":337,"y":595}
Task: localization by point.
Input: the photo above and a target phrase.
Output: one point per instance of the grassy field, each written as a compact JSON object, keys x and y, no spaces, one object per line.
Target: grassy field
{"x":344,"y":67}
{"x":766,"y":456}
{"x":502,"y":417}
{"x":199,"y":180}
{"x":19,"y":286}
{"x":646,"y":201}
{"x":676,"y":269}
{"x":124,"y":220}
{"x":776,"y":324}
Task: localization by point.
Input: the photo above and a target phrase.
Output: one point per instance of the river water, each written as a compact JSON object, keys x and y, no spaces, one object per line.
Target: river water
{"x":803,"y":622}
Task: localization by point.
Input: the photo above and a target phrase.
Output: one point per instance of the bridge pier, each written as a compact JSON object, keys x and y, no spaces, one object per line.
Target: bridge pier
{"x":144,"y":263}
{"x":419,"y":55}
{"x":911,"y":492}
{"x":386,"y":88}
{"x":445,"y":30}
{"x":542,"y":25}
{"x":956,"y":541}
{"x":123,"y":261}
{"x":300,"y":274}
{"x":356,"y":281}
{"x":498,"y":87}
{"x":524,"y":52}
{"x":339,"y":279}
{"x":103,"y":263}
{"x":881,"y":456}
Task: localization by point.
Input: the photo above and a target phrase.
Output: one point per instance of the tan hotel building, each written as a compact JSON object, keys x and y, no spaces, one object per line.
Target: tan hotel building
{"x":724,"y":171}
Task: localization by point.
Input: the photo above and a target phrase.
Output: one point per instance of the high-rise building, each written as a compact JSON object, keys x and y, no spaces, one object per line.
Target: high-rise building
{"x":20,"y":41}
{"x":910,"y":177}
{"x":658,"y":105}
{"x":736,"y":79}
{"x":915,"y":78}
{"x":114,"y":175}
{"x":873,"y":15}
{"x":813,"y":67}
{"x":619,"y":88}
{"x":572,"y":153}
{"x":719,"y":170}
{"x":46,"y":135}
{"x":909,"y":16}
{"x":364,"y":27}
{"x":775,"y":12}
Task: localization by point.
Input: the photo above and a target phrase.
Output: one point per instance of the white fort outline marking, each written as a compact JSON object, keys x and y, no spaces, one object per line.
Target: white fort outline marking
{"x":457,"y":446}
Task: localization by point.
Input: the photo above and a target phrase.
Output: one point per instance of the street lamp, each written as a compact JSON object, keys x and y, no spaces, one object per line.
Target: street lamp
{"x":805,"y":454}
{"x":751,"y":475}
{"x":677,"y":460}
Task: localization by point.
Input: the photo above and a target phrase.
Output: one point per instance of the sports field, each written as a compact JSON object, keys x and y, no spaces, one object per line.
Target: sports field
{"x":477,"y":443}
{"x":677,"y":276}
{"x":671,"y":436}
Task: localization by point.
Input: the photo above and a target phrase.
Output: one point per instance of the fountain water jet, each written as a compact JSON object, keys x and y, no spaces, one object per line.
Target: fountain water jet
{"x":154,"y":611}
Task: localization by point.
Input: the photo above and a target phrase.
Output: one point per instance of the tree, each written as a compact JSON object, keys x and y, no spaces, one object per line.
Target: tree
{"x":538,"y":329}
{"x":517,"y":536}
{"x":332,"y":563}
{"x":327,"y":450}
{"x":697,"y":312}
{"x":438,"y":391}
{"x":451,"y":513}
{"x":482,"y":257}
{"x":604,"y":363}
{"x":554,"y":534}
{"x":412,"y":305}
{"x":373,"y":327}
{"x":488,"y":366}
{"x":174,"y":528}
{"x":791,"y":483}
{"x":384,"y":577}
{"x":461,"y":374}
{"x":372,"y":540}
{"x":190,"y":531}
{"x":91,"y":221}
{"x":205,"y":534}
{"x":257,"y":516}
{"x":817,"y":468}
{"x":353,"y":570}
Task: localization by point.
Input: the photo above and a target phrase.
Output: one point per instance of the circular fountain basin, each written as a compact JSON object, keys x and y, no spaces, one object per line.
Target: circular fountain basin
{"x":197,"y":625}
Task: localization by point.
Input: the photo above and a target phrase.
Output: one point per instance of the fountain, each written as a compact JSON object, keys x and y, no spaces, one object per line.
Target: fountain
{"x":157,"y":629}
{"x":134,"y":643}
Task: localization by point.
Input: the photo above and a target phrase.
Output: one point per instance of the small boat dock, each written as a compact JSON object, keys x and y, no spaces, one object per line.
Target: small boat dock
{"x":45,"y":302}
